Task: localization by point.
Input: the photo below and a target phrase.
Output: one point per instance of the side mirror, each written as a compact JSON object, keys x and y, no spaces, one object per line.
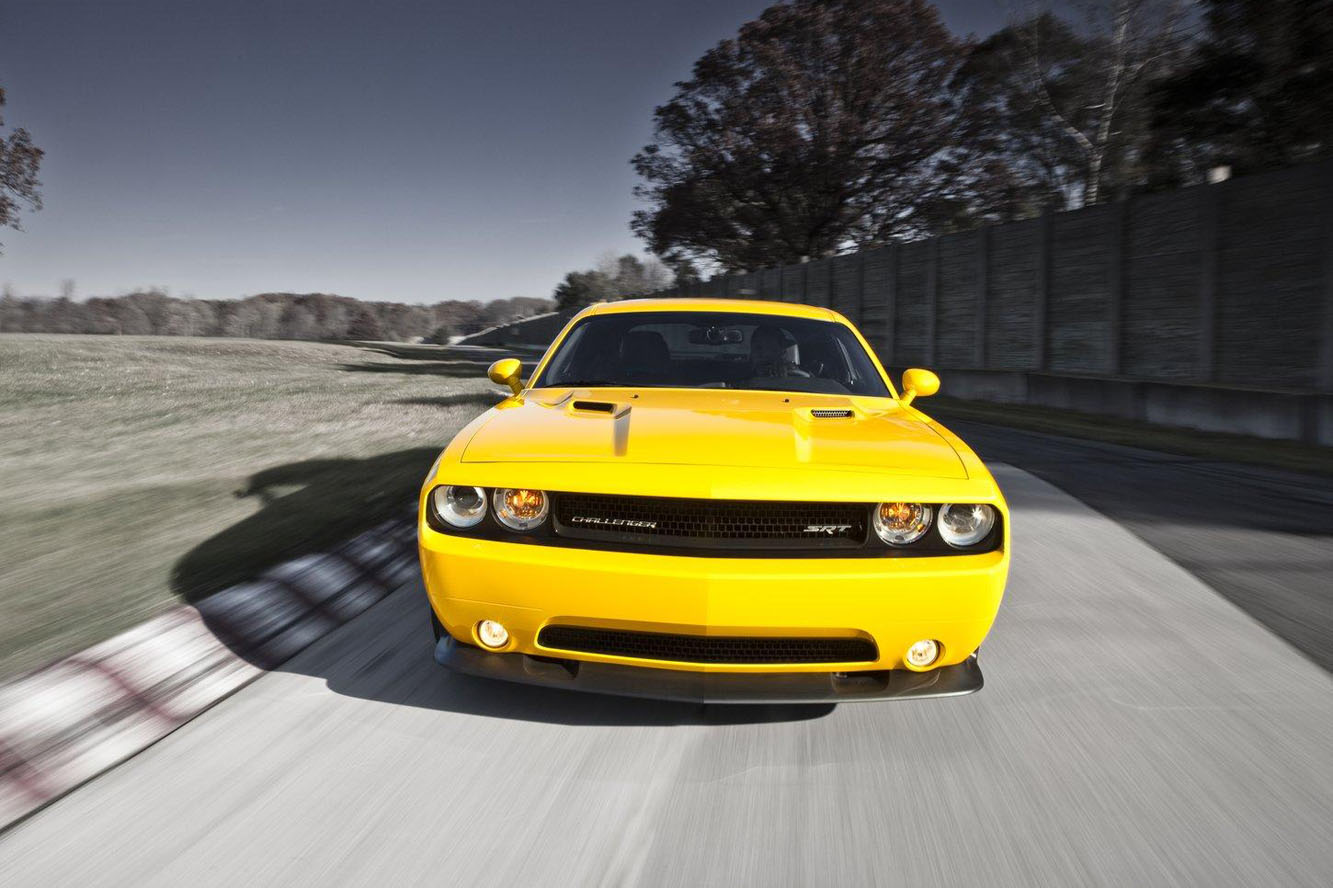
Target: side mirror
{"x":506,"y":371}
{"x":918,"y":383}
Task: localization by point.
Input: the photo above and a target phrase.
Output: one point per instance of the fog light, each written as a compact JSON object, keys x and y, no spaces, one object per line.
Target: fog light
{"x":923,"y":653}
{"x":492,"y":634}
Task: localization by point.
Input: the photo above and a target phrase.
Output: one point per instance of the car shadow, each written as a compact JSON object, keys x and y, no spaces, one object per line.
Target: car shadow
{"x":457,"y":369}
{"x":427,"y":352}
{"x":333,"y":547}
{"x":470,"y":399}
{"x":306,"y":507}
{"x":450,"y":368}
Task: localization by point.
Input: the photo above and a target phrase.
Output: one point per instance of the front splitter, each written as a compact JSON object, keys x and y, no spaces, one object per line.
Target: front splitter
{"x":711,"y":687}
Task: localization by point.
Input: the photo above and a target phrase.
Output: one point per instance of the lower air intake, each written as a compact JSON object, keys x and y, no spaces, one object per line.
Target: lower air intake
{"x":706,"y":648}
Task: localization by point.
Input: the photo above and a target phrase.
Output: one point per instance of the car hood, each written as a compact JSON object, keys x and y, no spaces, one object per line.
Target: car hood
{"x":713,"y":427}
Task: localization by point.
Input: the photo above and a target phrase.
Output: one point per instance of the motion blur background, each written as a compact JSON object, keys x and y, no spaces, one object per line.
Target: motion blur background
{"x":258,"y":256}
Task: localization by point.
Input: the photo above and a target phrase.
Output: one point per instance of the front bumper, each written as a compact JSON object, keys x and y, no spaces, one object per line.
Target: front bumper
{"x":890,"y":601}
{"x":711,"y":687}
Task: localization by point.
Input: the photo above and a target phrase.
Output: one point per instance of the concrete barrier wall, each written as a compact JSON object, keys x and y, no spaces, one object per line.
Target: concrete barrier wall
{"x":1208,"y":307}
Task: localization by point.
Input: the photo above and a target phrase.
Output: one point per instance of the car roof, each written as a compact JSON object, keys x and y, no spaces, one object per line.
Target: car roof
{"x":746,"y":306}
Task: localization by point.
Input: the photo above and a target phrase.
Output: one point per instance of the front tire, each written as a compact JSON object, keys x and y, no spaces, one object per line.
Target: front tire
{"x":436,"y":626}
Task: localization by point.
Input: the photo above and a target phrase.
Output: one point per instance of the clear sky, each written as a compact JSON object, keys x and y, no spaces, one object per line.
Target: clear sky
{"x":410,"y":151}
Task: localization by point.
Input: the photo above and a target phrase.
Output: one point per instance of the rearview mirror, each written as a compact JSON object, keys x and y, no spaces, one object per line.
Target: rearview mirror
{"x":506,"y":371}
{"x":918,"y":383}
{"x":716,"y":336}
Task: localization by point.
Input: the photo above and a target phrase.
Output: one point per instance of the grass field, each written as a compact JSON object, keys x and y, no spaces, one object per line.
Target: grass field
{"x":136,"y":473}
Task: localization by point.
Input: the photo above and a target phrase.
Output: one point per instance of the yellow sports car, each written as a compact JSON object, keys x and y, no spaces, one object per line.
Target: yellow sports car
{"x":713,"y":500}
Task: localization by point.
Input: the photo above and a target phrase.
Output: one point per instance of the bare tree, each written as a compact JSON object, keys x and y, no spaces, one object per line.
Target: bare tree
{"x":1098,"y":100}
{"x":631,"y":276}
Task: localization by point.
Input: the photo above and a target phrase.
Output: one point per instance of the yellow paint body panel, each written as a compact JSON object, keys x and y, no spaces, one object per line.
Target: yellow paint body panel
{"x":719,"y":444}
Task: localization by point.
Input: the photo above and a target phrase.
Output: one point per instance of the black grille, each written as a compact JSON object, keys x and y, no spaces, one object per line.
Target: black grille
{"x":704,"y":523}
{"x":831,"y":414}
{"x":706,"y":648}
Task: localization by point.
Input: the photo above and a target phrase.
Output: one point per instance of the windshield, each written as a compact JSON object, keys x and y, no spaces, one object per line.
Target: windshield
{"x":725,"y":350}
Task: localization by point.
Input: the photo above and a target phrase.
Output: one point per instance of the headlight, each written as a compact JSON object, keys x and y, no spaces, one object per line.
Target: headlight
{"x":965,"y":524}
{"x":901,"y":524}
{"x":521,"y":509}
{"x":459,"y":506}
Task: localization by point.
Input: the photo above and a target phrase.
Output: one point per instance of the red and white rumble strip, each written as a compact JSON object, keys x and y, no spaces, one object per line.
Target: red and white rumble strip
{"x":70,"y":721}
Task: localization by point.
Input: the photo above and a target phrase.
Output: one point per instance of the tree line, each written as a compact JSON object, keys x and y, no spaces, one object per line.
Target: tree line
{"x":311,"y":316}
{"x":614,"y":277}
{"x":826,"y":126}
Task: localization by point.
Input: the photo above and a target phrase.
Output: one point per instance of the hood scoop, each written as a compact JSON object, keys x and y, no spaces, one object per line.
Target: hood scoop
{"x":843,"y":413}
{"x":594,"y":406}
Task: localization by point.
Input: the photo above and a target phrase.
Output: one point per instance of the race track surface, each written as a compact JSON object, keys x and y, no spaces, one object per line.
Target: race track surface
{"x":1136,"y":728}
{"x":1260,"y":537}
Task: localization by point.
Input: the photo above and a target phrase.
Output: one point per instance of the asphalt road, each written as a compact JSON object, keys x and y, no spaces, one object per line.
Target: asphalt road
{"x":1136,"y":728}
{"x":1262,"y":538}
